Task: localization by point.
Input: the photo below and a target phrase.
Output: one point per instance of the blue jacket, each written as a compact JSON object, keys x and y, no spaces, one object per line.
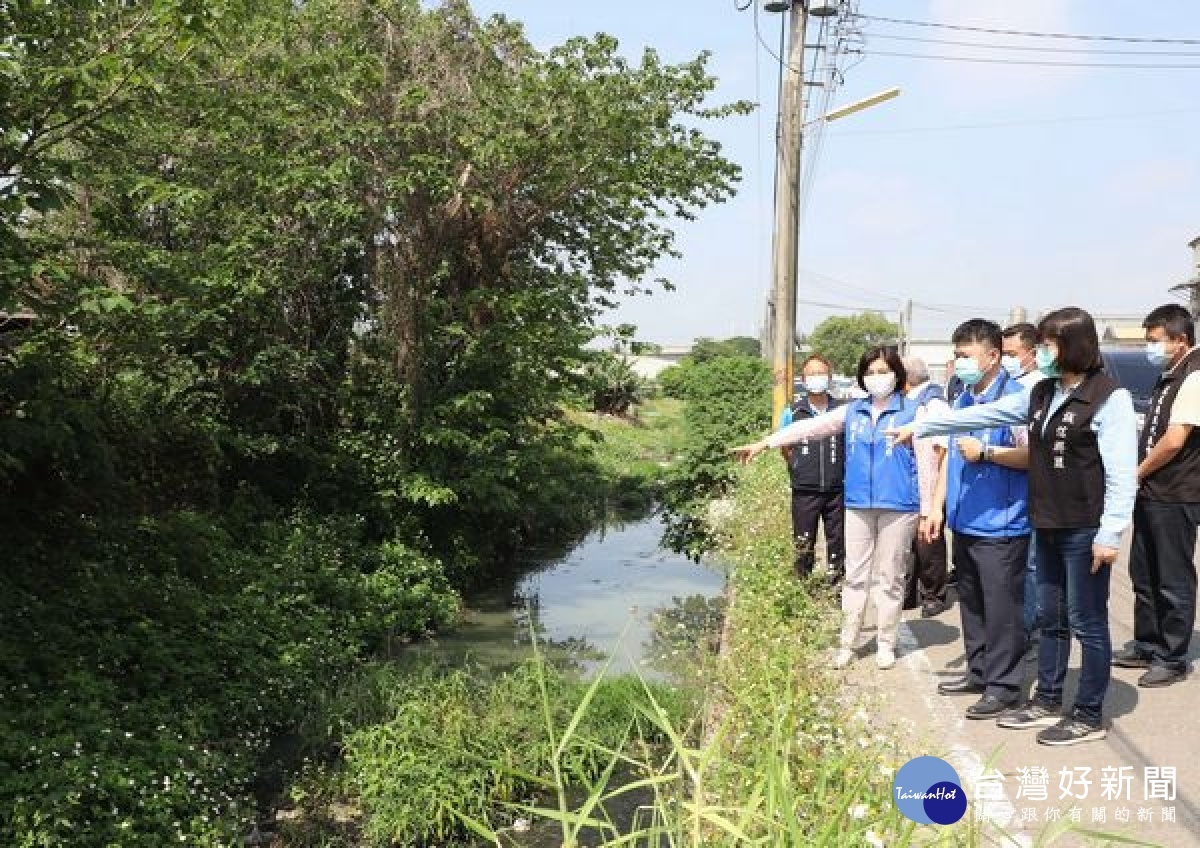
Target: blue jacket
{"x":880,"y":474}
{"x":982,"y":498}
{"x":932,"y":390}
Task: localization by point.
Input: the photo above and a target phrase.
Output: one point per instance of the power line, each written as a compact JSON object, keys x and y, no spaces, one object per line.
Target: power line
{"x":844,"y":31}
{"x":1067,"y":119}
{"x":844,"y":306}
{"x":852,"y":287}
{"x":778,"y":57}
{"x":1127,"y":39}
{"x":1087,"y":51}
{"x":1036,"y":63}
{"x":816,"y":137}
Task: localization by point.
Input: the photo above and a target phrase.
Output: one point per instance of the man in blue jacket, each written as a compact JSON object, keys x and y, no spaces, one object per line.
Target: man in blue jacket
{"x":986,"y":490}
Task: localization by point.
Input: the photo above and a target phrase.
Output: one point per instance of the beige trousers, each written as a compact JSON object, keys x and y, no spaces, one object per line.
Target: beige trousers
{"x":878,"y":545}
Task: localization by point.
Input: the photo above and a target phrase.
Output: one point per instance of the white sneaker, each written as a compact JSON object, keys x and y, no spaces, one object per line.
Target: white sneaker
{"x":842,"y":658}
{"x":885,"y":658}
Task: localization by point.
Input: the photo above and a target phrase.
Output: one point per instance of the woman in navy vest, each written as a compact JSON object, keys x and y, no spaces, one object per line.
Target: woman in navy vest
{"x":1082,"y":484}
{"x":881,"y":493}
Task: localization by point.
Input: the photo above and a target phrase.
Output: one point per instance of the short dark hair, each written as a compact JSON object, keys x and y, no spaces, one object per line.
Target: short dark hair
{"x":978,"y":330}
{"x":816,"y":357}
{"x":1026,"y":332}
{"x":889,"y":354}
{"x":1173,"y":318}
{"x":1074,"y":331}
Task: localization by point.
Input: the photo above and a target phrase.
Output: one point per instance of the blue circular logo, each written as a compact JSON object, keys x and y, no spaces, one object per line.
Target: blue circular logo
{"x":927,"y":790}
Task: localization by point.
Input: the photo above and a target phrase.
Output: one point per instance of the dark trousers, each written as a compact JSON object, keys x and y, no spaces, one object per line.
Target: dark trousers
{"x":1072,"y":600}
{"x":1031,"y":591}
{"x":991,"y":590}
{"x":809,"y":509}
{"x":927,"y":577}
{"x":1162,"y":566}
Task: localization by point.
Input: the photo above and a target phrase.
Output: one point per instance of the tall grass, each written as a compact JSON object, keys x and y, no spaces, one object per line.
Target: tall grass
{"x":765,"y":753}
{"x":774,"y":758}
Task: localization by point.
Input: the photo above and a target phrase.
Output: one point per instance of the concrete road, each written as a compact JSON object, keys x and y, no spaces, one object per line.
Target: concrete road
{"x":1151,"y":731}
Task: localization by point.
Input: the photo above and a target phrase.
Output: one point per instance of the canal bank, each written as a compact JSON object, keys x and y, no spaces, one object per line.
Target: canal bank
{"x":550,"y":672}
{"x":756,"y":748}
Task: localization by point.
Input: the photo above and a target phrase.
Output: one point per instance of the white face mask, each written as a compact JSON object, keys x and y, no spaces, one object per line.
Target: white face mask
{"x":880,"y":385}
{"x":1013,"y":366}
{"x":818,"y":384}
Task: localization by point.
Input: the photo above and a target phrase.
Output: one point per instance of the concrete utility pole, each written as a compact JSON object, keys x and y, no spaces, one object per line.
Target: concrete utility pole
{"x":789,"y":138}
{"x":906,"y":327}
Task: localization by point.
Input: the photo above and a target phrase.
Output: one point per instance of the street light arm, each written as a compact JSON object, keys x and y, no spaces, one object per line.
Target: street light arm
{"x":858,"y":106}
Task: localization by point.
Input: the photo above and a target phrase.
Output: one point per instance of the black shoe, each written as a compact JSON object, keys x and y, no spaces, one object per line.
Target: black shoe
{"x":1159,"y":675}
{"x":1031,"y":715}
{"x":1071,"y":731}
{"x":960,"y":686}
{"x":931,"y":608}
{"x":989,"y":706}
{"x":1130,"y":658}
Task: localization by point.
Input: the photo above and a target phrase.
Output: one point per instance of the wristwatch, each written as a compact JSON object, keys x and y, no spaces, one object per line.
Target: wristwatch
{"x":988,"y":453}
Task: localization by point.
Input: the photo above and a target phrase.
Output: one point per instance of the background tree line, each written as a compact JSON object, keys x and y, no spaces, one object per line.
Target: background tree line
{"x":311,"y":284}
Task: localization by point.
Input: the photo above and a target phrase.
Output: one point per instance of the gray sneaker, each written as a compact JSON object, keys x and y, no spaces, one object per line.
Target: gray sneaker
{"x":1030,"y":716}
{"x":1071,"y":731}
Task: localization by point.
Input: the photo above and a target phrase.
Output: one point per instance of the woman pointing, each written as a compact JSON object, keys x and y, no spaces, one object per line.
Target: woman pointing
{"x":883,"y":499}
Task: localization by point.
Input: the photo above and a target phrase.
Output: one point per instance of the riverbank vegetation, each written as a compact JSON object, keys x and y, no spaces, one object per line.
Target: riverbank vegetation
{"x":294,"y":296}
{"x":726,"y":402}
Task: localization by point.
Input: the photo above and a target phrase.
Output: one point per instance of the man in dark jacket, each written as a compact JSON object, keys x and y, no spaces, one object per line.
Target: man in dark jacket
{"x":1167,"y":510}
{"x":817,"y":473}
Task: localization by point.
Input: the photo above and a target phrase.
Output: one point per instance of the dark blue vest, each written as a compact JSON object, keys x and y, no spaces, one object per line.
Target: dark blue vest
{"x":982,"y":498}
{"x":880,"y":474}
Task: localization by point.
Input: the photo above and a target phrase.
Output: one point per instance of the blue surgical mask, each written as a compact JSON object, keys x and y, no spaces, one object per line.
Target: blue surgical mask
{"x":967,"y":370}
{"x":1156,"y":352}
{"x":1047,"y":362}
{"x":1013,"y":366}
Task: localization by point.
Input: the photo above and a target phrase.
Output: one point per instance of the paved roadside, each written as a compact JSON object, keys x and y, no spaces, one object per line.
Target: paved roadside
{"x":1151,"y":732}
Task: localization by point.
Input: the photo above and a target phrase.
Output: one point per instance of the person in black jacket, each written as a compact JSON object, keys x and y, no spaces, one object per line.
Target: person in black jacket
{"x":1166,"y":513}
{"x":817,"y":473}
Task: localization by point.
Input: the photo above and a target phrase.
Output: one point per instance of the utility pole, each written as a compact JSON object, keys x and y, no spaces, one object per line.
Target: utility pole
{"x":789,"y":138}
{"x":906,"y":327}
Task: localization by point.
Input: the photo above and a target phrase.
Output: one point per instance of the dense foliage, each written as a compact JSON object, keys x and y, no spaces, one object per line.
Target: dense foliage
{"x":617,"y":387}
{"x":311,"y":284}
{"x":843,"y":339}
{"x":727,"y":402}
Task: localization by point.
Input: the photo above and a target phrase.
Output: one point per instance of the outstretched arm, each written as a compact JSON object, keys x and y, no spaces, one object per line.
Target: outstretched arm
{"x":819,"y":427}
{"x":1008,"y":411}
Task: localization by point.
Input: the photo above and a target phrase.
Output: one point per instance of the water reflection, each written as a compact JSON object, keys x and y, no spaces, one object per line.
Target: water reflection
{"x":684,"y":634}
{"x":617,"y":593}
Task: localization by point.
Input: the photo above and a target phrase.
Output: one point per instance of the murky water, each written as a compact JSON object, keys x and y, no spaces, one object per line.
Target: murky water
{"x":616,"y":595}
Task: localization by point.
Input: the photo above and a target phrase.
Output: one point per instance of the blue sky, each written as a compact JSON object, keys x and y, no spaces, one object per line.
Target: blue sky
{"x":1087,"y":194}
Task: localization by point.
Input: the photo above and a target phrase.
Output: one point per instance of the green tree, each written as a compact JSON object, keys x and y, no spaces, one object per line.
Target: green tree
{"x":843,"y":339}
{"x":337,"y":258}
{"x":615,"y":386}
{"x":704,"y":349}
{"x":744,"y":345}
